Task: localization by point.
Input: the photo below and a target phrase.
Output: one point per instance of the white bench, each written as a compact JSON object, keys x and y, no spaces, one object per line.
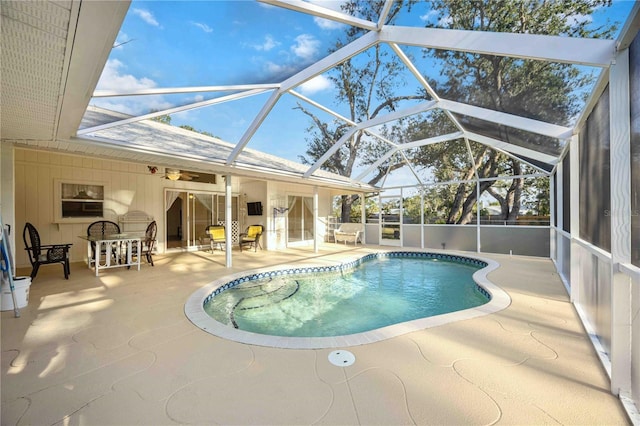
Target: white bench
{"x":349,"y":232}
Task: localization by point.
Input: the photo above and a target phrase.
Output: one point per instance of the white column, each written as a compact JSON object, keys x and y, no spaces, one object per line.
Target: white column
{"x":227,"y":220}
{"x":478,"y":243}
{"x":363,"y":216}
{"x":552,"y":213}
{"x":315,"y":219}
{"x":620,"y":149}
{"x":7,"y":193}
{"x":559,"y":208}
{"x":422,"y":217}
{"x":401,"y":225}
{"x":574,"y":165}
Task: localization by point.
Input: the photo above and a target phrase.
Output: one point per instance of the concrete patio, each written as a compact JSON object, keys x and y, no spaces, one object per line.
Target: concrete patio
{"x":118,"y":350}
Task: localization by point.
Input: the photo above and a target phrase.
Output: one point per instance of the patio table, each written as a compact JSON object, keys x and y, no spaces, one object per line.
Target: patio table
{"x":109,"y":243}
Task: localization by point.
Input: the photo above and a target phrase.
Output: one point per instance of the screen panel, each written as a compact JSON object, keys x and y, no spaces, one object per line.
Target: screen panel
{"x":634,"y":95}
{"x":595,"y":176}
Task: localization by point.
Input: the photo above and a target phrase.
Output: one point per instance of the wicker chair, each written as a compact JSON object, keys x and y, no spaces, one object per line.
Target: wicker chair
{"x":216,"y":236}
{"x":102,"y":228}
{"x":41,"y":254}
{"x":251,"y":237}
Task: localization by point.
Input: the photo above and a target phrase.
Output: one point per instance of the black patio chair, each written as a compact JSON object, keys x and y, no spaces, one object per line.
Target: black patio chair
{"x":102,"y":228}
{"x":44,"y":254}
{"x":147,"y":243}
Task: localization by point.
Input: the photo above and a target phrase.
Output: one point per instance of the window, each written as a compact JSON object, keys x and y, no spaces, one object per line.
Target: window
{"x":79,"y":202}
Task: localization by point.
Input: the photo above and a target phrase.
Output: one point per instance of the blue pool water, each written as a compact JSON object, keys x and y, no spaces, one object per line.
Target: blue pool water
{"x":378,"y":292}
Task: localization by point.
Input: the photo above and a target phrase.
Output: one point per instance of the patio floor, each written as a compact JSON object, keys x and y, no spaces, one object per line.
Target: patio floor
{"x":118,"y":349}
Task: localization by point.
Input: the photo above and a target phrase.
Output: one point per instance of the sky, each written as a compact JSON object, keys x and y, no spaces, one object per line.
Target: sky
{"x":204,"y":43}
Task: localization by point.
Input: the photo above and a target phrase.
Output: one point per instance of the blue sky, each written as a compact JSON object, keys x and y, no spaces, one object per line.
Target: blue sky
{"x":203,"y":43}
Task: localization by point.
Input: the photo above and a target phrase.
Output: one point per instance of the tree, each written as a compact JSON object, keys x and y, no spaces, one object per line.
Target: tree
{"x":540,"y":90}
{"x":534,"y":89}
{"x":366,"y":84}
{"x":164,"y":119}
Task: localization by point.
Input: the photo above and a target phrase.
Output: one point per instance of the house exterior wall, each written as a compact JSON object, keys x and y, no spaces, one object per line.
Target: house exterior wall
{"x":130,"y":186}
{"x":6,"y":190}
{"x":275,"y":213}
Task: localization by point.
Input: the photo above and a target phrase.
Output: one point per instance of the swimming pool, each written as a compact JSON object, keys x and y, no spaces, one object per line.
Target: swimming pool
{"x":266,"y":299}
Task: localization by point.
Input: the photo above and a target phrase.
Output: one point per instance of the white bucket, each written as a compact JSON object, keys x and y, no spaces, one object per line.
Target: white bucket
{"x":21,"y":288}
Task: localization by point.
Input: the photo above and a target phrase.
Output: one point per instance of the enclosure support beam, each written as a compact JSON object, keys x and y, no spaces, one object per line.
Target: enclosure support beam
{"x":227,"y":220}
{"x":363,"y":217}
{"x":422,"y":216}
{"x":559,"y":208}
{"x":574,"y":165}
{"x":315,"y":219}
{"x":478,"y":208}
{"x":552,"y":212}
{"x":621,"y":296}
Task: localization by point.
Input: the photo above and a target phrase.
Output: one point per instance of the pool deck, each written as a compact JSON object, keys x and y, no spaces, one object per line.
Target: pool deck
{"x":118,"y":350}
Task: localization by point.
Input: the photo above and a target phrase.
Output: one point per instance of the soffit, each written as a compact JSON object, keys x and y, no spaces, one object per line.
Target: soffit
{"x":53,"y":53}
{"x":34,"y":44}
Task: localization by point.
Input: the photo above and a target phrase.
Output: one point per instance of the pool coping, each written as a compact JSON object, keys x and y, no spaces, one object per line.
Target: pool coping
{"x":194,"y":310}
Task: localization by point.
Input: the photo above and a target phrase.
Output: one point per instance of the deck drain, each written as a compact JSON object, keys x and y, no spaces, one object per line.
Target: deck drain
{"x":342,"y":358}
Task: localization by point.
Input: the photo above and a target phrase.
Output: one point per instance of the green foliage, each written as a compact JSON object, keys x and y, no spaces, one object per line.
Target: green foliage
{"x":534,"y":89}
{"x":366,"y":84}
{"x":164,"y":119}
{"x":371,"y":207}
{"x":411,"y":209}
{"x":191,"y":128}
{"x":540,"y":90}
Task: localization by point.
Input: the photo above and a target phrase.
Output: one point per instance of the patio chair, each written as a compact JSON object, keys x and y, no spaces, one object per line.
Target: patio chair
{"x":251,"y":237}
{"x":216,"y":236}
{"x":41,"y":254}
{"x":102,"y":228}
{"x":349,"y":232}
{"x":148,"y":243}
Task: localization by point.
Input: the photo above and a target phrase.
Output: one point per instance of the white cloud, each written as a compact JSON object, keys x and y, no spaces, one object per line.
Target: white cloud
{"x":131,"y":107}
{"x":327,"y":24}
{"x":427,"y":17}
{"x":121,"y":40}
{"x":268,"y":44}
{"x":112,"y":79}
{"x":315,"y":85}
{"x":306,"y":47}
{"x":203,"y":27}
{"x":147,"y":17}
{"x":278,"y":69}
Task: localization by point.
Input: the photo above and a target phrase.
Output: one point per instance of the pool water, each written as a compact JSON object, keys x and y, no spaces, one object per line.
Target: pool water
{"x":377,"y":293}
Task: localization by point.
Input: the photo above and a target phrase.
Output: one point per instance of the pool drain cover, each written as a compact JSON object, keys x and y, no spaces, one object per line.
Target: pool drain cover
{"x":342,"y":358}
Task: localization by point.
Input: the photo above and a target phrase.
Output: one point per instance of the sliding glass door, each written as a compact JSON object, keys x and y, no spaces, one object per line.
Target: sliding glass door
{"x":300,"y":220}
{"x":188,"y":213}
{"x":200,"y":215}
